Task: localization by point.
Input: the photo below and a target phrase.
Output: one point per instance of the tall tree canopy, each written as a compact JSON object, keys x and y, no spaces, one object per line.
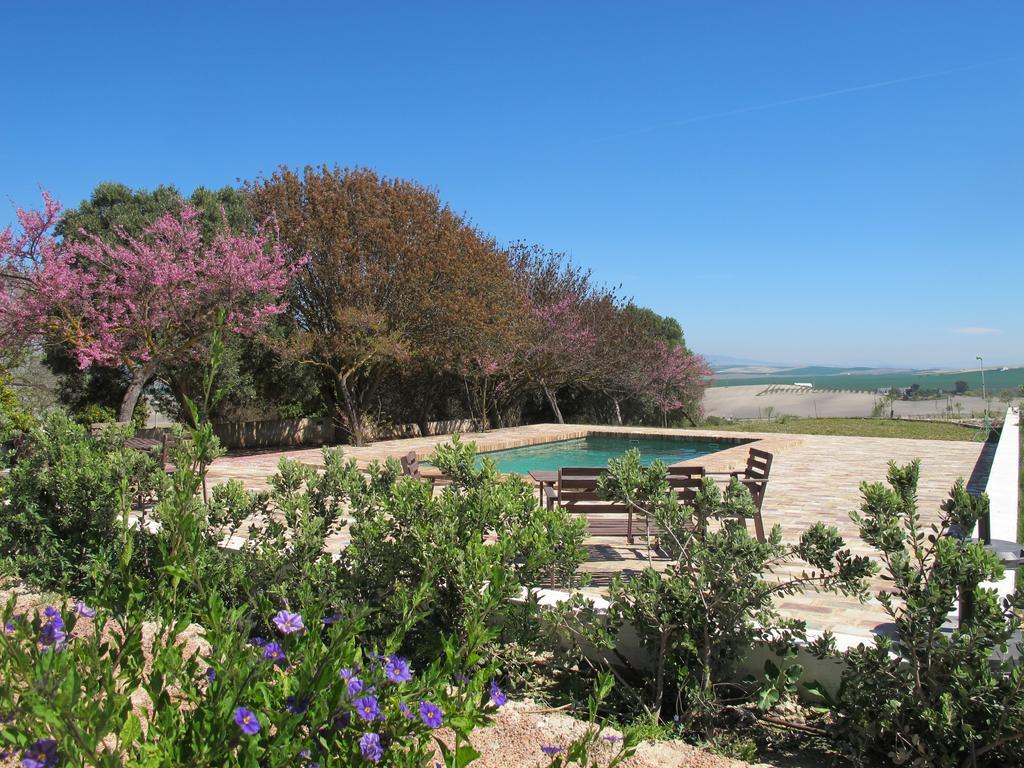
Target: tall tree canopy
{"x":394,"y":277}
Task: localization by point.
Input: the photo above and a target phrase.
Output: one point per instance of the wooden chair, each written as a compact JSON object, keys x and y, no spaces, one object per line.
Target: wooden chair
{"x":755,"y":478}
{"x":411,"y":468}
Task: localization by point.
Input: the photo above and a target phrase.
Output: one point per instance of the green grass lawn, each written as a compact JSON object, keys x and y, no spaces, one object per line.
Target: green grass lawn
{"x":919,"y":430}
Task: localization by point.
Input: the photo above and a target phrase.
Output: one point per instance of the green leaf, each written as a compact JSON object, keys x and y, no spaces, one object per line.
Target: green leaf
{"x":768,"y":698}
{"x":175,"y":570}
{"x":130,"y":731}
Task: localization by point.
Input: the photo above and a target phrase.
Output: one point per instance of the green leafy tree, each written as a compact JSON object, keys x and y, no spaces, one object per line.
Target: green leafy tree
{"x":394,"y":278}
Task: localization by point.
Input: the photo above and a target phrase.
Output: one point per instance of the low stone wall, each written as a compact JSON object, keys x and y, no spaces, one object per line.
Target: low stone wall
{"x":401,"y":431}
{"x":1002,"y":489}
{"x":320,"y":431}
{"x":271,"y":434}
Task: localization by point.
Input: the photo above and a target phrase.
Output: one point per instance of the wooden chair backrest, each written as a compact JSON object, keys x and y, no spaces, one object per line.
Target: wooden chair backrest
{"x":685,"y":481}
{"x":411,"y":465}
{"x":759,"y":465}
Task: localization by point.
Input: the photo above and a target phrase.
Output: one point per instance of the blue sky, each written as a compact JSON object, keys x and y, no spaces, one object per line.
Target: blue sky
{"x":796,"y":181}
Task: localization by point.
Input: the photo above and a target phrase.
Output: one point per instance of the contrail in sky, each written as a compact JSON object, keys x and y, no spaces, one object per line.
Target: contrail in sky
{"x":800,"y":99}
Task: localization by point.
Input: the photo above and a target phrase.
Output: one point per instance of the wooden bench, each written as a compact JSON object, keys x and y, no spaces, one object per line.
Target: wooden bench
{"x":157,"y":447}
{"x":576,"y":493}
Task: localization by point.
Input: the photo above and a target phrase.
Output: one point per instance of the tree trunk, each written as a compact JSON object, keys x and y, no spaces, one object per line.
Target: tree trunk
{"x":355,"y":424}
{"x":140,"y":378}
{"x":554,"y":404}
{"x":689,"y":418}
{"x":618,"y":411}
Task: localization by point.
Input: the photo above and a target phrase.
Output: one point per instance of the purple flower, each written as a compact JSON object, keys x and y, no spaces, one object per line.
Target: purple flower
{"x":342,"y":721}
{"x":247,"y":721}
{"x":354,"y":684}
{"x":551,"y":750}
{"x":612,"y":738}
{"x":405,"y":710}
{"x":52,"y":632}
{"x":9,"y":628}
{"x":397,"y":670}
{"x":288,"y":623}
{"x":84,"y":610}
{"x":367,"y":708}
{"x":258,"y":642}
{"x":431,"y":715}
{"x":334,"y":618}
{"x":369,"y":745}
{"x":274,"y":652}
{"x":53,"y":635}
{"x":497,"y":696}
{"x":296,"y":708}
{"x":211,"y":674}
{"x":42,"y":753}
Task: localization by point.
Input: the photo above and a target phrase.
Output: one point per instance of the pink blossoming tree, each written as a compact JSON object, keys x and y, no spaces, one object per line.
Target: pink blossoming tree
{"x":141,"y":303}
{"x":676,"y":381}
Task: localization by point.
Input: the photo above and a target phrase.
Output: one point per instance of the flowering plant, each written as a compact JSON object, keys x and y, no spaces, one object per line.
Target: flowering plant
{"x":310,"y":696}
{"x":162,"y":671}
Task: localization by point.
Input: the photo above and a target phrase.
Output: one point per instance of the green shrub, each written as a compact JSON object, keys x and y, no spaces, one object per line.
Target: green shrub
{"x":65,"y":500}
{"x":476,"y":545}
{"x":715,"y":600}
{"x":14,"y":417}
{"x":170,"y":675}
{"x":931,"y":695}
{"x":288,"y":528}
{"x":315,"y":693}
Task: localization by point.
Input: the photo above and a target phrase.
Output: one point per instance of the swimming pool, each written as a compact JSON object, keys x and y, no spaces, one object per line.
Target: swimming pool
{"x":595,"y":450}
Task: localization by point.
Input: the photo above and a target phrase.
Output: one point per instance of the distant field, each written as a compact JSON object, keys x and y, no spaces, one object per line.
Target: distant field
{"x":916,"y":430}
{"x":994,"y":380}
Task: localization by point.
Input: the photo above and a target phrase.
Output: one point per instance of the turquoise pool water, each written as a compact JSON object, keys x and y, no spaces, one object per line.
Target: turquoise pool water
{"x":595,"y":450}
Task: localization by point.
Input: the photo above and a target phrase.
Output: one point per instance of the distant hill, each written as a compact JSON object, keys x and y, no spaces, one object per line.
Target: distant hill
{"x":720,"y":362}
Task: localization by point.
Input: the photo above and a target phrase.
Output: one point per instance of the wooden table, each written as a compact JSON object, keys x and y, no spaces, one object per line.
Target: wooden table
{"x":544,"y":477}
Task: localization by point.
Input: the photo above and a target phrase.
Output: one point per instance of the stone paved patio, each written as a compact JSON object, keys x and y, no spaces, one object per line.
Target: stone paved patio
{"x":814,"y":478}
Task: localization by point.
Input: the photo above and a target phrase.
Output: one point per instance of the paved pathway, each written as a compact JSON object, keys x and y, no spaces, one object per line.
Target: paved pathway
{"x":814,"y":478}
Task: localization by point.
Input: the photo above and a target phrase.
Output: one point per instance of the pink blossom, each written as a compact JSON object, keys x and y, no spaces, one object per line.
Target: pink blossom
{"x":149,"y":299}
